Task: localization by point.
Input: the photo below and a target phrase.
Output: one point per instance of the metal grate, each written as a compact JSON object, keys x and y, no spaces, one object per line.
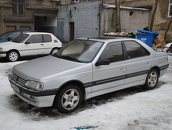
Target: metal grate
{"x":18,"y":79}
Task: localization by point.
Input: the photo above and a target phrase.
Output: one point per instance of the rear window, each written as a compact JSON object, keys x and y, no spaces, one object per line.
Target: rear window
{"x":47,"y":38}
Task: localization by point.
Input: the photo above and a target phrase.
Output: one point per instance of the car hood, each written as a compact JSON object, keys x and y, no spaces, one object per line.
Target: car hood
{"x":5,"y":44}
{"x":47,"y":67}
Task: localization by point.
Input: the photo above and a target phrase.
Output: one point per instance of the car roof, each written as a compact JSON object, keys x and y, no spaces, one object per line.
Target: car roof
{"x":106,"y":38}
{"x":37,"y":33}
{"x":20,"y":31}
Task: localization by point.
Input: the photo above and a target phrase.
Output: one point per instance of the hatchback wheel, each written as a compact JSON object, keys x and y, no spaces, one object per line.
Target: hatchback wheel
{"x":12,"y":56}
{"x":54,"y":50}
{"x":152,"y":79}
{"x":68,"y":99}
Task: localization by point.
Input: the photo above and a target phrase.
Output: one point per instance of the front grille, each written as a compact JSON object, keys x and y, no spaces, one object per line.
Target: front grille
{"x":18,"y":79}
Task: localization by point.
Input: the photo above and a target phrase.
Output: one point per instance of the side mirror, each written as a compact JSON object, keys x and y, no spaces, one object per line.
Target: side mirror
{"x":27,"y":42}
{"x":9,"y":39}
{"x":102,"y":62}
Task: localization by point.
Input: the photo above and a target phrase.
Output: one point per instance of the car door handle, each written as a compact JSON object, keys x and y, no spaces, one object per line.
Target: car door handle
{"x":149,"y":63}
{"x":42,"y":44}
{"x":122,"y":69}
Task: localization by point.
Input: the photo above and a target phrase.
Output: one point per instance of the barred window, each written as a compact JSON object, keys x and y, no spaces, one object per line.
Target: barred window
{"x":170,"y":8}
{"x":18,"y":7}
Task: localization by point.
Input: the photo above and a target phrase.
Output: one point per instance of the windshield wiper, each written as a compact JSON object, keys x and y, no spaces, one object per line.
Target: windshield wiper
{"x":67,"y":57}
{"x":70,"y":58}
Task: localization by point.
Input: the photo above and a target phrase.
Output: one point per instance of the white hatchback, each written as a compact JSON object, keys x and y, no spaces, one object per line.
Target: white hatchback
{"x":30,"y":44}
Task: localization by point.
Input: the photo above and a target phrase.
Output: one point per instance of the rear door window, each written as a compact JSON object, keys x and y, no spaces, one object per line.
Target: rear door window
{"x":135,"y":50}
{"x":47,"y":38}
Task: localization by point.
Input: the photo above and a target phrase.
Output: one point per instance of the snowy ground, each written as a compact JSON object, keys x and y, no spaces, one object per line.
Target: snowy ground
{"x":129,"y":109}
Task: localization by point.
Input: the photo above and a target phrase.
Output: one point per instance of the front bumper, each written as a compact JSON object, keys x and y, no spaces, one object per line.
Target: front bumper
{"x":3,"y":53}
{"x":44,"y":98}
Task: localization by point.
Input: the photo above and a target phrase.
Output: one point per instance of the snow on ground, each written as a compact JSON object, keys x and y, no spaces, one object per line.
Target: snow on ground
{"x":129,"y":109}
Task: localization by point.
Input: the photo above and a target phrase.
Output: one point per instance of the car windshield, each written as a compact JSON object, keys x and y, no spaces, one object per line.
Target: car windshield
{"x":21,"y":38}
{"x":80,"y":50}
{"x":4,"y":35}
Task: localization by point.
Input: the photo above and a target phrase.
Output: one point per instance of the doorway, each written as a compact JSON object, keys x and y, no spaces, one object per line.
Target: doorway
{"x":72,"y":30}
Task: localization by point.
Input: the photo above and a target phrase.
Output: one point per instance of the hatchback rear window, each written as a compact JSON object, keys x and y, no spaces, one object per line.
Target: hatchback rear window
{"x":47,"y":38}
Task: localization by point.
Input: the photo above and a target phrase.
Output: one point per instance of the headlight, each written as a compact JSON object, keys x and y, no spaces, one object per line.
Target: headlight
{"x":34,"y":85}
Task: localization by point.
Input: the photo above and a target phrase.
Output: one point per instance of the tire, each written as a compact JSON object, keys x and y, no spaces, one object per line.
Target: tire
{"x":12,"y":56}
{"x":68,"y":99}
{"x":54,"y":50}
{"x":151,"y":80}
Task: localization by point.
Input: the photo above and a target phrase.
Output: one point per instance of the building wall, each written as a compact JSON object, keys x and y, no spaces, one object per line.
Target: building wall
{"x":32,"y":9}
{"x":84,"y":15}
{"x":131,"y":19}
{"x":158,"y":22}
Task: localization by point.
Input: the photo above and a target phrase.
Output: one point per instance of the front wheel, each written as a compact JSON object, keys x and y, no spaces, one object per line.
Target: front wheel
{"x":12,"y":56}
{"x":68,"y":99}
{"x":151,"y":80}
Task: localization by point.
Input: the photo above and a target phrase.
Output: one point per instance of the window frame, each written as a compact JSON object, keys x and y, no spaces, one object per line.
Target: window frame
{"x":170,"y":8}
{"x":35,"y":42}
{"x":141,"y":47}
{"x":45,"y":38}
{"x":17,"y":8}
{"x":103,"y":55}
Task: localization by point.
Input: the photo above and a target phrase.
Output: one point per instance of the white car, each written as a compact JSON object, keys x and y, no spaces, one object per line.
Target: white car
{"x":166,"y":47}
{"x":85,"y":68}
{"x":30,"y":44}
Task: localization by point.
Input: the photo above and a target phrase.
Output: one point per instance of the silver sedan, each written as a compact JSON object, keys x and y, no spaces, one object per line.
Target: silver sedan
{"x":85,"y":68}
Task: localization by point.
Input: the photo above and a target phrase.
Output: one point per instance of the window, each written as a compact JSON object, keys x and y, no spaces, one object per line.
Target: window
{"x":35,"y":39}
{"x":14,"y":35}
{"x":25,"y":28}
{"x":18,"y":7}
{"x":113,"y":52}
{"x":80,"y":50}
{"x":135,"y":50}
{"x":76,"y":1}
{"x":170,"y":8}
{"x":47,"y":38}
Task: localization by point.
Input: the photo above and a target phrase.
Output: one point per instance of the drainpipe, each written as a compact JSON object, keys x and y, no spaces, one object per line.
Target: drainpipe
{"x":153,"y":14}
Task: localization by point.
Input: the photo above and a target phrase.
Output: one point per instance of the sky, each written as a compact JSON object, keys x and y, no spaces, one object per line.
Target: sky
{"x":128,"y":109}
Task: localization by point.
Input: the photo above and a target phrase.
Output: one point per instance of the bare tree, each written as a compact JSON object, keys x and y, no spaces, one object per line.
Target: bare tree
{"x":118,"y":22}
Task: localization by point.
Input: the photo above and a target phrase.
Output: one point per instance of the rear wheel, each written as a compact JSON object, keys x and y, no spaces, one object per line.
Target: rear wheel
{"x":12,"y":56}
{"x":68,"y":99}
{"x":151,"y":80}
{"x":54,"y":50}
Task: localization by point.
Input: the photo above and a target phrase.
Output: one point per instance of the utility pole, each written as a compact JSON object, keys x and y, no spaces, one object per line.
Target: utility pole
{"x":118,"y":20}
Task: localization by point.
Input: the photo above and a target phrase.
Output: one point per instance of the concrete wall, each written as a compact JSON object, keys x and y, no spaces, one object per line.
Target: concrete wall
{"x":160,"y":22}
{"x":131,"y":19}
{"x":84,"y":15}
